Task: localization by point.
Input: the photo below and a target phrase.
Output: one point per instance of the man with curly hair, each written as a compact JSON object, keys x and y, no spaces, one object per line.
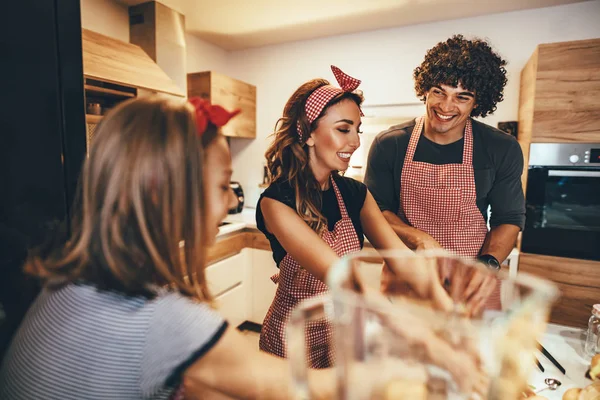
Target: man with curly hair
{"x":435,"y":177}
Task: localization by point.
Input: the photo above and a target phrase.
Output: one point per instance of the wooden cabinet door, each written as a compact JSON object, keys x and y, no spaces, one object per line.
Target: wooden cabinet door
{"x":231,"y":94}
{"x":578,"y":281}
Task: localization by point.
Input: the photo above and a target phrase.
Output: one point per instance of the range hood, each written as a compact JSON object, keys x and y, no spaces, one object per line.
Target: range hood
{"x":115,"y":61}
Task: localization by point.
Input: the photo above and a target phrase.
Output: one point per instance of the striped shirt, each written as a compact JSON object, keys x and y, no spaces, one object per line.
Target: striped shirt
{"x":80,"y":343}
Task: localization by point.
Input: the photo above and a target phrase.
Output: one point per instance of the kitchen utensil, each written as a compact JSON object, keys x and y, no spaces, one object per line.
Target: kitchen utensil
{"x":405,"y":348}
{"x":552,"y":359}
{"x":551,"y":384}
{"x":539,"y":365}
{"x":239,"y":194}
{"x":94,"y":108}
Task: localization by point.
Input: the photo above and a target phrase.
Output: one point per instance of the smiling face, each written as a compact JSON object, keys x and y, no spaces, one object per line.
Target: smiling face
{"x":448,"y":109}
{"x":335,"y":139}
{"x":218,"y":194}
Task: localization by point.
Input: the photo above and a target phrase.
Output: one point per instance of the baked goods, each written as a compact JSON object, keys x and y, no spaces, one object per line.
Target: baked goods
{"x":572,"y":394}
{"x":595,"y":367}
{"x":590,"y":392}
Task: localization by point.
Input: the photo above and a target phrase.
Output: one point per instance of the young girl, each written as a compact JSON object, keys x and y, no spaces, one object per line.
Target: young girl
{"x":125,"y":310}
{"x":312,"y":215}
{"x":125,"y":313}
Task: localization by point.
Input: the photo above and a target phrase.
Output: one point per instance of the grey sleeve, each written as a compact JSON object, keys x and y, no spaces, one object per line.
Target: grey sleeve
{"x":506,"y":197}
{"x":180,"y":331}
{"x":379,"y":176}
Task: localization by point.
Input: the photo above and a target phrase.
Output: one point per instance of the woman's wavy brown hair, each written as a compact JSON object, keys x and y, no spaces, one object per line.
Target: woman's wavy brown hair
{"x":287,"y":157}
{"x":139,"y":211}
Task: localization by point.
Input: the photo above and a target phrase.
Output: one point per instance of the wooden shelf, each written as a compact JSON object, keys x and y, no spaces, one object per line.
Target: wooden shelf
{"x":92,"y":119}
{"x":107,"y":91}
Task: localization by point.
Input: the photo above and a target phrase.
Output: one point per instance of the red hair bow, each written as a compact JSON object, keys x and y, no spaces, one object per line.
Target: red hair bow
{"x":206,"y":112}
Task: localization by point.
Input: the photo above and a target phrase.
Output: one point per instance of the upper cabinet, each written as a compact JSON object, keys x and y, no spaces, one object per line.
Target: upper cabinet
{"x":231,"y":94}
{"x":115,"y":71}
{"x":560,"y":93}
{"x":111,"y":60}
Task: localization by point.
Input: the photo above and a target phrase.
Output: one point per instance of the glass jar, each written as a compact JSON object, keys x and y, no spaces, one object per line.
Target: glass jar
{"x":592,"y":343}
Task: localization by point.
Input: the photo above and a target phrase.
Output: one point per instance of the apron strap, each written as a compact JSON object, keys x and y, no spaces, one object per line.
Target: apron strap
{"x":340,"y":199}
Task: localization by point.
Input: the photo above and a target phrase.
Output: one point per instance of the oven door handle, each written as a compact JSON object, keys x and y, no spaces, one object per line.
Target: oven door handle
{"x":583,"y":174}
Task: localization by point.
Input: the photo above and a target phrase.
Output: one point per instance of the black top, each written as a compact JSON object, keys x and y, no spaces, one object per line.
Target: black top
{"x":497,"y":163}
{"x":353,"y":194}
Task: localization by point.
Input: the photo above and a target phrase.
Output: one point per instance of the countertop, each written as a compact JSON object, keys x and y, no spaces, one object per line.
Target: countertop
{"x":566,"y":346}
{"x":238,"y":222}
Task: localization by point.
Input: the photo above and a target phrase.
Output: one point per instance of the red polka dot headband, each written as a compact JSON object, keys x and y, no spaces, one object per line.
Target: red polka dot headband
{"x":323,"y":95}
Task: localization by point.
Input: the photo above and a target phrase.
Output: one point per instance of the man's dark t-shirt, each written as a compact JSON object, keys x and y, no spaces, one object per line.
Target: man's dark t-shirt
{"x":497,"y":162}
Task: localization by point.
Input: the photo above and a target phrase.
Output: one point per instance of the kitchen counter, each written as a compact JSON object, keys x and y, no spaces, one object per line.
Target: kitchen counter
{"x":237,"y":222}
{"x":566,"y":346}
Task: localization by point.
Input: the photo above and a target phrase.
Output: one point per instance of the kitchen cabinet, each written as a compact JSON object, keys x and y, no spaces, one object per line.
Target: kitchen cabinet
{"x":240,"y":280}
{"x":577,"y":280}
{"x":230,"y":282}
{"x":559,"y":98}
{"x":231,"y":94}
{"x":115,"y":71}
{"x":263,"y":288}
{"x":560,"y":93}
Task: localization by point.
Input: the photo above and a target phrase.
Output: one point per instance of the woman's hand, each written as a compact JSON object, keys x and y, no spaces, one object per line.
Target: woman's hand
{"x":415,"y":275}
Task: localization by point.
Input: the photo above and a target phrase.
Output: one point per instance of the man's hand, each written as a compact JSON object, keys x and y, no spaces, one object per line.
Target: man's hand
{"x":480,"y":287}
{"x":419,"y":276}
{"x":424,"y":241}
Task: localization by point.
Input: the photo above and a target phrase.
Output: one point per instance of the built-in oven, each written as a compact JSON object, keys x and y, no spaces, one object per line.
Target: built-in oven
{"x":563,"y":201}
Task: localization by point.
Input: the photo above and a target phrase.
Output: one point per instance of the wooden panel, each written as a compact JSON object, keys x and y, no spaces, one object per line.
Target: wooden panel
{"x":199,"y":85}
{"x":115,"y":61}
{"x":574,"y":307}
{"x":231,"y":245}
{"x":577,"y":54}
{"x":578,"y":280}
{"x":567,"y":92}
{"x":93,"y":119}
{"x":103,"y":90}
{"x":259,"y":241}
{"x":231,"y":94}
{"x":227,"y":247}
{"x":526,"y":105}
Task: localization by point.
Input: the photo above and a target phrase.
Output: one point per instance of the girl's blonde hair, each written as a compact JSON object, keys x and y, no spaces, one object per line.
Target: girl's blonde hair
{"x":139,"y":211}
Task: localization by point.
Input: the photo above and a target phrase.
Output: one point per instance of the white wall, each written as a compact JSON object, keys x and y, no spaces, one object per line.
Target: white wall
{"x":203,"y":56}
{"x":106,"y":17}
{"x":384,"y":61}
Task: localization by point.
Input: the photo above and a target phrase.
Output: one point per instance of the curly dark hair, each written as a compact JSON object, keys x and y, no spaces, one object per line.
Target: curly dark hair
{"x":472,"y":63}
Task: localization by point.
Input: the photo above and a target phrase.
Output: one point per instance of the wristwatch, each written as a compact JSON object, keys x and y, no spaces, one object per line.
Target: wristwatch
{"x":489,"y":261}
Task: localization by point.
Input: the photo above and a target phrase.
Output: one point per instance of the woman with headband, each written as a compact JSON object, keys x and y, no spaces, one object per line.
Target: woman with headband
{"x":312,"y":215}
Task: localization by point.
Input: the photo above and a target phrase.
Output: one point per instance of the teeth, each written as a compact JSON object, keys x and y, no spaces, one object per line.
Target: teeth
{"x":444,"y":116}
{"x":344,"y":155}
